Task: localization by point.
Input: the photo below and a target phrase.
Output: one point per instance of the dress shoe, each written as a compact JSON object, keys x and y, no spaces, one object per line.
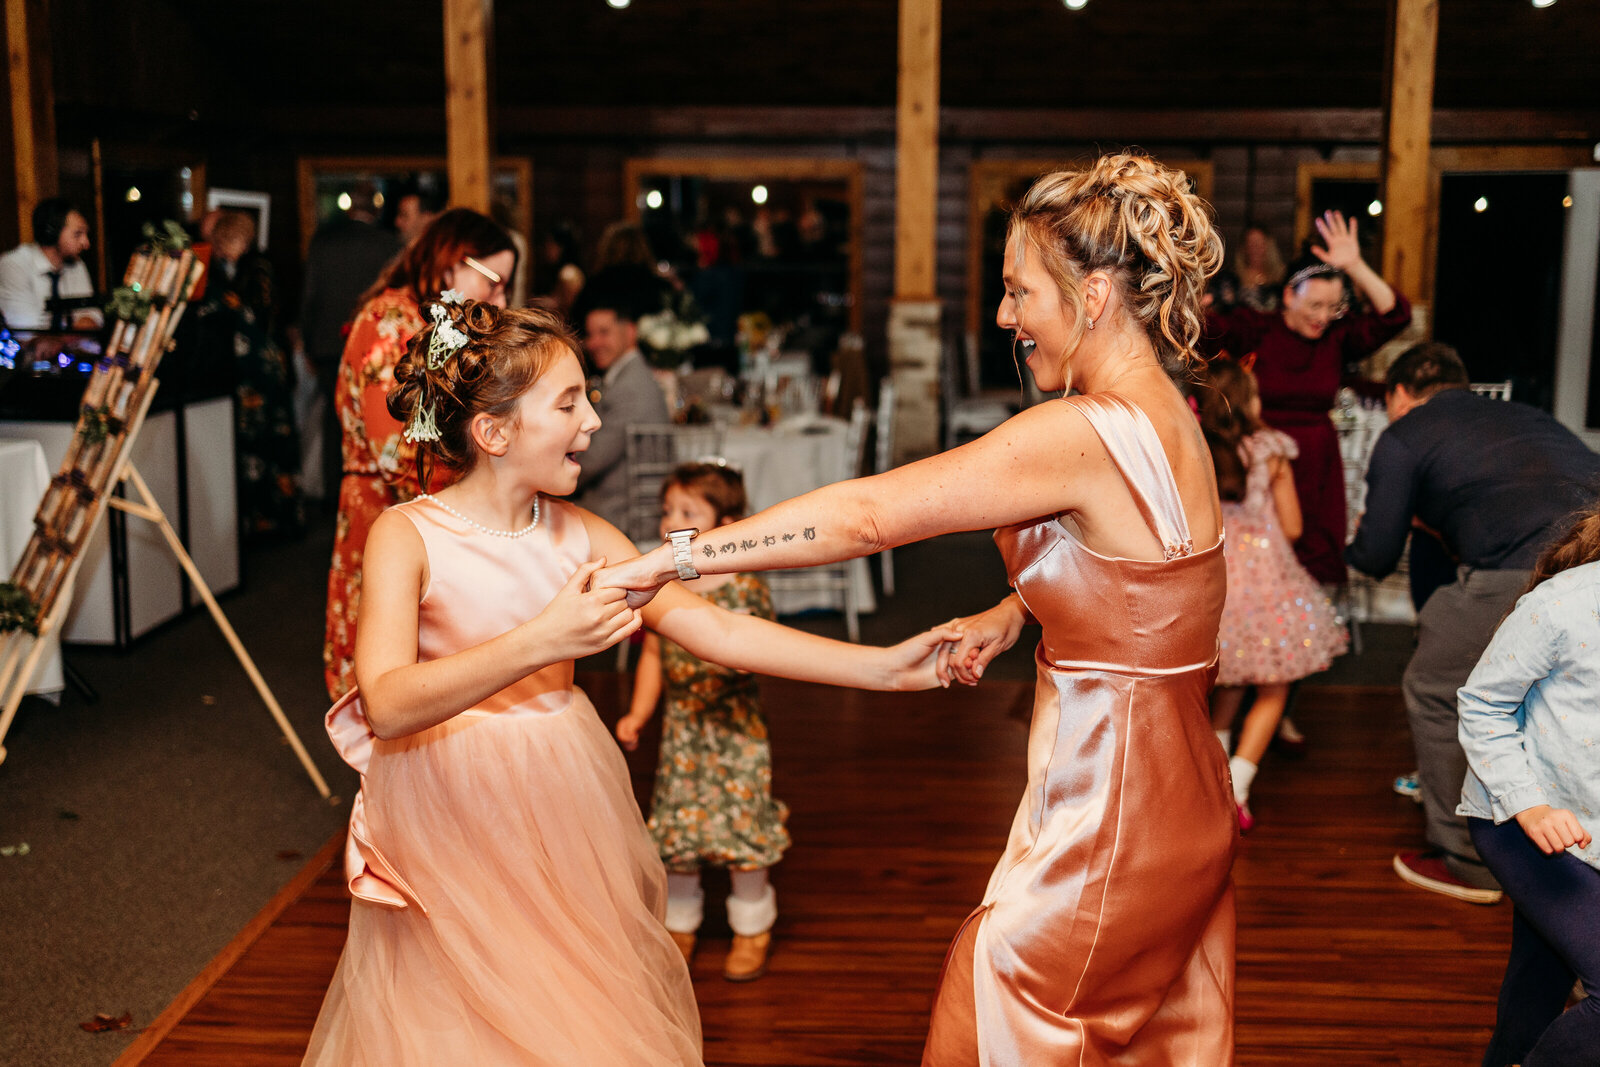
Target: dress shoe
{"x":685,"y":943}
{"x":747,"y":960}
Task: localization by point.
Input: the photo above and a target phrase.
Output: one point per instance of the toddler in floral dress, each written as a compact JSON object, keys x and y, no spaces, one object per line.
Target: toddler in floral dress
{"x":1277,"y":625}
{"x":713,"y":800}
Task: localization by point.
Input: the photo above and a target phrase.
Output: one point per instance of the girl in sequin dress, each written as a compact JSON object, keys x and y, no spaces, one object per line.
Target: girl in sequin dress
{"x":1277,"y":625}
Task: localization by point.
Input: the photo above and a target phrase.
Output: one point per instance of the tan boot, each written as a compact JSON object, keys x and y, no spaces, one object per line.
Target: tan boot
{"x":747,"y":960}
{"x":685,"y":943}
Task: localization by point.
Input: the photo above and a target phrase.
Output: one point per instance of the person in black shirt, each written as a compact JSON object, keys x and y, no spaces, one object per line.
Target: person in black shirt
{"x":1496,"y":482}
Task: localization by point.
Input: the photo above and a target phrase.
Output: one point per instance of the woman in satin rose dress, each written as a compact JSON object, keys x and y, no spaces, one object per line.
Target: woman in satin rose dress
{"x":508,"y":900}
{"x":1106,"y":934}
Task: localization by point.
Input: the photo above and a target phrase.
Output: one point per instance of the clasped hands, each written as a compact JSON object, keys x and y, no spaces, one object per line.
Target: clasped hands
{"x":983,"y":637}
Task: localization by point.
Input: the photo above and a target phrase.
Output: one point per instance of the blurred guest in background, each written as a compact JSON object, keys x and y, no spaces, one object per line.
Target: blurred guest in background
{"x":347,"y":253}
{"x":1258,"y":266}
{"x":460,"y":250}
{"x":1301,"y":355}
{"x":626,"y":394}
{"x":415,"y":207}
{"x":558,"y":259}
{"x":237,"y":324}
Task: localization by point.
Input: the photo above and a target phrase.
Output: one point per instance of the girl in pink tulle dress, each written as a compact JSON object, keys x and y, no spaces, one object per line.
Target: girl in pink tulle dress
{"x":508,"y":901}
{"x":1277,"y":624}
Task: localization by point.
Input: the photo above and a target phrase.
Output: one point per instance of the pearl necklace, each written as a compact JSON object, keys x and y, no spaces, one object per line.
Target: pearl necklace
{"x":509,"y":534}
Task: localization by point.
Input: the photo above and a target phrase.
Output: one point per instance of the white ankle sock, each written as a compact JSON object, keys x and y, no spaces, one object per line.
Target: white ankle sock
{"x":1244,"y":772}
{"x":752,"y":905}
{"x":1226,"y":737}
{"x":685,"y":902}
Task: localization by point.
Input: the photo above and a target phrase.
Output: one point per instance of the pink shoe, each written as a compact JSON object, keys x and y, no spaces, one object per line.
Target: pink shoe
{"x":1247,"y":821}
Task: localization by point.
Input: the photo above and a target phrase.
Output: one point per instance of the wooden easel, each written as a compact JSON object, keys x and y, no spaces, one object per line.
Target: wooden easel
{"x":159,"y":282}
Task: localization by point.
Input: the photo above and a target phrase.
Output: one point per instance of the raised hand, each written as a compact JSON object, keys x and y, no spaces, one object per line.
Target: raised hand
{"x":582,"y":620}
{"x":983,"y":637}
{"x":1340,"y":247}
{"x":1552,"y":829}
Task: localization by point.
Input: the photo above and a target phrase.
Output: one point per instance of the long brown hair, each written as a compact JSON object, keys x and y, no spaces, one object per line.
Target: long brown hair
{"x":447,"y":240}
{"x":1579,"y":545}
{"x":1225,"y":396}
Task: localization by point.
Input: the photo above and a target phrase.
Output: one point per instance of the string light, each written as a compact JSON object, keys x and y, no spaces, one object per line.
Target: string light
{"x":1075,"y":5}
{"x":652,"y":199}
{"x":759,"y":194}
{"x":1543,"y":3}
{"x":1481,"y":204}
{"x":133,"y":194}
{"x":618,"y":4}
{"x":1375,"y":208}
{"x":344,"y":201}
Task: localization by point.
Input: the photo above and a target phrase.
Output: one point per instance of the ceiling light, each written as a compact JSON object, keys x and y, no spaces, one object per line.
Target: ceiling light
{"x":1543,"y":3}
{"x":1075,"y":5}
{"x":619,"y":4}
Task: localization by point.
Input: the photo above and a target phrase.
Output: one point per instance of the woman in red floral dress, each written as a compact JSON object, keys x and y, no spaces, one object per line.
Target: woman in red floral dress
{"x":460,"y":250}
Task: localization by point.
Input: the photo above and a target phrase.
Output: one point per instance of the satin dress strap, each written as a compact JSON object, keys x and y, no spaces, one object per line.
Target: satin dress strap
{"x":1135,"y":447}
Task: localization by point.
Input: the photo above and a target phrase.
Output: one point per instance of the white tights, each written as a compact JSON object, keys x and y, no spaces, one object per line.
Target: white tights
{"x":752,"y":905}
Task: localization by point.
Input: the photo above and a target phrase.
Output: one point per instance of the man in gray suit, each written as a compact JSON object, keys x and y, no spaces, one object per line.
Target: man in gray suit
{"x":626,"y":394}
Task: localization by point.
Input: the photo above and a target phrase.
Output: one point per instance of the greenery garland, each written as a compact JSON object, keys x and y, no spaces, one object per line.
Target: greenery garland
{"x":97,"y":424}
{"x":17,"y":609}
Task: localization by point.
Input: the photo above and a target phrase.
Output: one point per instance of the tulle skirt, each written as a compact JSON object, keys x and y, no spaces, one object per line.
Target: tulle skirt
{"x":535,"y":933}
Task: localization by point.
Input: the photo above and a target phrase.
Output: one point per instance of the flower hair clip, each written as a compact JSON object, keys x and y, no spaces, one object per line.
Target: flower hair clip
{"x":423,"y":425}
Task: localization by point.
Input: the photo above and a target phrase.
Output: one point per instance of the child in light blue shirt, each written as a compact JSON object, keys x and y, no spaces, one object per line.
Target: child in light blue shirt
{"x":1530,"y":726}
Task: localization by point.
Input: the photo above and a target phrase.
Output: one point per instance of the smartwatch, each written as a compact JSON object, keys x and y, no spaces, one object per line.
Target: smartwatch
{"x":681,"y":555}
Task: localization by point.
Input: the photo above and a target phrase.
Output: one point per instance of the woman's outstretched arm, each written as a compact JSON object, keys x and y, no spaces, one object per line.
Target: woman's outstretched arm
{"x":1045,"y":460}
{"x":749,"y":643}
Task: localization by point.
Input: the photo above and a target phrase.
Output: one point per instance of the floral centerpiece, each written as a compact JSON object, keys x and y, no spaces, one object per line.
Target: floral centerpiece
{"x":668,"y":335}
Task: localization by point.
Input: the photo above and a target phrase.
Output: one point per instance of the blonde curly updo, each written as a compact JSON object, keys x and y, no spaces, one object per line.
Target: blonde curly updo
{"x":1139,"y":221}
{"x":506,"y":352}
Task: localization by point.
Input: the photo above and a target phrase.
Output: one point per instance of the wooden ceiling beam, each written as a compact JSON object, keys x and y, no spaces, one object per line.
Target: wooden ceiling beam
{"x":979,"y":125}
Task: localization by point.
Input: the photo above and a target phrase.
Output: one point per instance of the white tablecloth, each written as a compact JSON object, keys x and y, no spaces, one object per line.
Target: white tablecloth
{"x":789,"y":459}
{"x":24,"y":477}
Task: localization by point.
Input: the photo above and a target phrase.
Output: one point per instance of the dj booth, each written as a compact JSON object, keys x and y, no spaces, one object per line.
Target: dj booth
{"x":129,"y":582}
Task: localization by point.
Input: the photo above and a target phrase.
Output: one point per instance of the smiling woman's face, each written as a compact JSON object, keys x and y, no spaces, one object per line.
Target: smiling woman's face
{"x":1032,"y":309}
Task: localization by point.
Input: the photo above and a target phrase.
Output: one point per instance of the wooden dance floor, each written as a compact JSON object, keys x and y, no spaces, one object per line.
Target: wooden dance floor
{"x":901,"y":803}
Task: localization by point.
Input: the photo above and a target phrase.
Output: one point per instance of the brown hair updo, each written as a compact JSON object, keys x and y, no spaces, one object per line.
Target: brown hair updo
{"x":507,"y":351}
{"x":1137,"y":220}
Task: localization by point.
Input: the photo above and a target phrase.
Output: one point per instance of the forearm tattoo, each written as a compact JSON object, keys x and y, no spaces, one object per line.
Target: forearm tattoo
{"x":711,"y":550}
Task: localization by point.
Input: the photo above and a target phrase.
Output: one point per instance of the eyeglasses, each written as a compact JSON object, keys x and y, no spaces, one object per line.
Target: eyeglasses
{"x":495,"y":279}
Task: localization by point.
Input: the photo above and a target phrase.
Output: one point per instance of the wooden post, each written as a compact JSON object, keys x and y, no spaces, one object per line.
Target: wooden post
{"x":915,"y":331}
{"x":1408,"y":115}
{"x":916,"y":181}
{"x":33,"y":107}
{"x":467,"y":100}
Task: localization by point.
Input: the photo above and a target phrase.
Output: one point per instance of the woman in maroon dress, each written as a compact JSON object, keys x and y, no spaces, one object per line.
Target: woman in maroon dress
{"x":1302,"y":354}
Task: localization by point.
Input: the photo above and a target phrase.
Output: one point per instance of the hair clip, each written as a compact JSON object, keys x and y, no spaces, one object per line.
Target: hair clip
{"x":445,"y":342}
{"x":452,"y":296}
{"x":422,"y":426}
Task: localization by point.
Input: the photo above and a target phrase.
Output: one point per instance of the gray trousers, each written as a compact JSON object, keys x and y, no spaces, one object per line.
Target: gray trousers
{"x":1454,"y":628}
